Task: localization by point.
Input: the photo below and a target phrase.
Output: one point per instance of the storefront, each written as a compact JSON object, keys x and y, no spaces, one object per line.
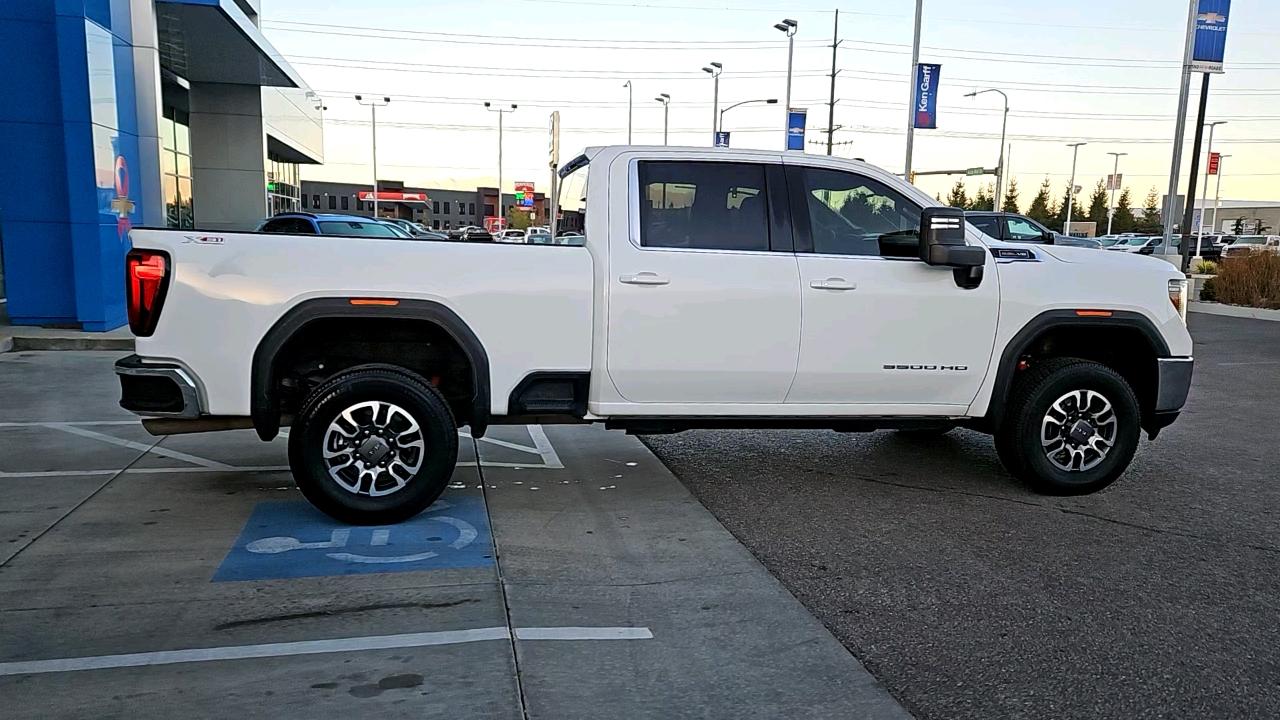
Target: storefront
{"x":136,"y":113}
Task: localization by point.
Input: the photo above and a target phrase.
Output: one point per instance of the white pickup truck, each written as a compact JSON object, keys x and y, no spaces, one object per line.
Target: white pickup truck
{"x":716,"y":289}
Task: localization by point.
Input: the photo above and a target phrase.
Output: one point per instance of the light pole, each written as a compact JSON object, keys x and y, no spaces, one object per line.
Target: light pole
{"x":770,"y":101}
{"x":1115,"y":183}
{"x":1217,"y":190}
{"x":911,"y":95}
{"x":1004,"y":124}
{"x":715,"y":69}
{"x":1204,"y":194}
{"x":1071,"y":191}
{"x":373,"y":108}
{"x":630,"y":93}
{"x":789,"y":27}
{"x":665,"y":99}
{"x":501,"y":111}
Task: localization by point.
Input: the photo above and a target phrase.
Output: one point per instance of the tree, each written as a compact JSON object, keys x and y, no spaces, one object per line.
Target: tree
{"x":1238,"y":227}
{"x":1124,"y":221}
{"x":1039,"y":210}
{"x":518,"y":219}
{"x":985,"y":199}
{"x":1099,"y":207}
{"x":1011,"y":197}
{"x":1077,"y":213}
{"x":958,"y":197}
{"x":1150,"y":224}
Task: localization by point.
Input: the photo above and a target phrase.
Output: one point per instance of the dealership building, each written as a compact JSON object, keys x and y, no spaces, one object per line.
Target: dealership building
{"x":136,"y":113}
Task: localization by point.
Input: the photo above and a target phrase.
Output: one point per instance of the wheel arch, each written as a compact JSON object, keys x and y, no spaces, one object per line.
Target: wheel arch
{"x":265,"y":403}
{"x":1124,"y":340}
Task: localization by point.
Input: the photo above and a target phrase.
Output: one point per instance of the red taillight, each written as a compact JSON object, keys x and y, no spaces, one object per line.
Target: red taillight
{"x":146,"y":280}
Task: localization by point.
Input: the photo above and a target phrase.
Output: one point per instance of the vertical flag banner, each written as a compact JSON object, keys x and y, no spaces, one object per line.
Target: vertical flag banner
{"x":1211,"y":36}
{"x":1215,"y":159}
{"x":795,"y":128}
{"x":722,"y":139}
{"x":926,"y":104}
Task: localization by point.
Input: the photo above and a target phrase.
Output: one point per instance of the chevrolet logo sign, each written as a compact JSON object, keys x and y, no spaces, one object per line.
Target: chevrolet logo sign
{"x":1211,"y":18}
{"x":122,"y":206}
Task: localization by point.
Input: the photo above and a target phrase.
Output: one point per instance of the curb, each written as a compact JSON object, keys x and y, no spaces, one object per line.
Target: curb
{"x":6,"y":343}
{"x":18,"y":344}
{"x":1234,"y":311}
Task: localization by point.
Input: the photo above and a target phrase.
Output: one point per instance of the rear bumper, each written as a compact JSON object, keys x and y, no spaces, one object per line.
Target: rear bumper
{"x":157,"y":389}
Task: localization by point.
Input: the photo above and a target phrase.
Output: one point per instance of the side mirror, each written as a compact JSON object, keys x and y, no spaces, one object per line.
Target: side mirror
{"x":1049,"y":238}
{"x":942,"y":244}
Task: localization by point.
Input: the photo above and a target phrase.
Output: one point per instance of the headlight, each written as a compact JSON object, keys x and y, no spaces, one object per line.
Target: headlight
{"x":1178,"y":296}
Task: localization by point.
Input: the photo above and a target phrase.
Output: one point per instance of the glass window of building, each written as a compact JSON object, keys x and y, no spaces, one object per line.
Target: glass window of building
{"x":284,"y":189}
{"x":315,"y":201}
{"x":345,"y":206}
{"x":175,"y":165}
{"x":471,"y":208}
{"x":333,"y":202}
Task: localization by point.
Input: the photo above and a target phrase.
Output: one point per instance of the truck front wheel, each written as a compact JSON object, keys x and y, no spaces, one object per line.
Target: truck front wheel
{"x":373,"y":446}
{"x":1071,"y":427}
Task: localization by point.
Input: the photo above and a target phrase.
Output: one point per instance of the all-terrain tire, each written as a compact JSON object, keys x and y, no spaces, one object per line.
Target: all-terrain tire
{"x":368,"y":414}
{"x":1047,"y":401}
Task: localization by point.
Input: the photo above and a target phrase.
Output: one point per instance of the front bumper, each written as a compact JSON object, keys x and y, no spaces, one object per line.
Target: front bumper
{"x":1173,"y":383}
{"x":157,"y":389}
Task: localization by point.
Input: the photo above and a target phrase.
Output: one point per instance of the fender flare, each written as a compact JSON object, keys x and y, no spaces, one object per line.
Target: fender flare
{"x":264,"y":402}
{"x":1052,"y":320}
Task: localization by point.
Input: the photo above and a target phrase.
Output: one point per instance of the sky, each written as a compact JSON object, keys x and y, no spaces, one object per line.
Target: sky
{"x":1096,"y":71}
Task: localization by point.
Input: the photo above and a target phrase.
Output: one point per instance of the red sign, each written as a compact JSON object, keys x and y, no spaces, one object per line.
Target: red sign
{"x":1214,"y":160}
{"x":524,"y":194}
{"x":494,"y":225}
{"x":393,"y":196}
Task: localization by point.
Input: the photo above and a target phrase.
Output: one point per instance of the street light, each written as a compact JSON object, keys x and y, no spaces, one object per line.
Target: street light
{"x":665,"y":99}
{"x":1004,"y":124}
{"x":790,"y":27}
{"x":1115,"y":175}
{"x":373,"y":108}
{"x":501,"y":111}
{"x":1071,"y":191}
{"x":770,"y":101}
{"x":1217,"y":193}
{"x":1204,"y":194}
{"x":630,"y":93}
{"x":715,"y":70}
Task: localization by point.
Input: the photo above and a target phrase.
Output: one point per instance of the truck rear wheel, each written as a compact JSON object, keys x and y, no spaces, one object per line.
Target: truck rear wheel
{"x":373,"y":446}
{"x":1071,"y":427}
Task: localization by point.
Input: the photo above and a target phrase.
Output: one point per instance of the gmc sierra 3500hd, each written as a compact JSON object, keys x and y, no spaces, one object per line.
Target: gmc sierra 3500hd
{"x":717,"y":289}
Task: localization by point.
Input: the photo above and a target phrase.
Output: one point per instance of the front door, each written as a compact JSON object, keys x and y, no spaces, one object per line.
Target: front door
{"x":702,"y":309}
{"x":881,"y":328}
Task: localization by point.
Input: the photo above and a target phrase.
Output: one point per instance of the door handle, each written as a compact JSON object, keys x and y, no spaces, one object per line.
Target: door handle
{"x":834,"y":283}
{"x":644,"y":278}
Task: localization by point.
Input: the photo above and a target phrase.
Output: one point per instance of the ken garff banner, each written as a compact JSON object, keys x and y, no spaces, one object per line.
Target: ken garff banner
{"x":926,"y":102}
{"x":1211,"y":36}
{"x":795,"y":128}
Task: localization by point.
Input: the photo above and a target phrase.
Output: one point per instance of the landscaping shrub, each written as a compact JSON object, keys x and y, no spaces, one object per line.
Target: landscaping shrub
{"x":1206,"y":267}
{"x":1252,"y":280}
{"x":1208,"y":293}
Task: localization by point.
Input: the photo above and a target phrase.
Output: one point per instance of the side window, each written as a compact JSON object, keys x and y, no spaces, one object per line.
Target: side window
{"x":987,"y":224}
{"x":854,"y":215}
{"x":703,"y":205}
{"x":290,"y":226}
{"x":1020,"y":230}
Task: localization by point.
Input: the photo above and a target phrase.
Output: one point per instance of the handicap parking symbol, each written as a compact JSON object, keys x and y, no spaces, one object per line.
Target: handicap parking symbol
{"x":290,"y":539}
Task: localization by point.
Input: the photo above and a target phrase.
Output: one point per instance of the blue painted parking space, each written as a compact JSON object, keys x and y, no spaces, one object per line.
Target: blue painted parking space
{"x":291,"y":539}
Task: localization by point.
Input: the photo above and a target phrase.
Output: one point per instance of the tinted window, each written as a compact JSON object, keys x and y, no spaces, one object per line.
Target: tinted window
{"x":1021,"y":229}
{"x":345,"y":227}
{"x":711,"y":206}
{"x":854,"y":215}
{"x":988,"y":225}
{"x":333,"y":202}
{"x":344,"y":203}
{"x":292,"y":226}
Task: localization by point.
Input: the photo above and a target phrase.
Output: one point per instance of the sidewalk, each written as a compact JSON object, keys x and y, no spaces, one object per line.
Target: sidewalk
{"x":1213,"y":308}
{"x":23,"y":337}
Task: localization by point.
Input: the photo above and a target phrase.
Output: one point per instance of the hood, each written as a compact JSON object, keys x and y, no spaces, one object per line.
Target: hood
{"x":1114,"y":259}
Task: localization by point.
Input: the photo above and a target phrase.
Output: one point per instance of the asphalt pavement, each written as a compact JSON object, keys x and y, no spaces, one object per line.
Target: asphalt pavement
{"x":969,"y":597}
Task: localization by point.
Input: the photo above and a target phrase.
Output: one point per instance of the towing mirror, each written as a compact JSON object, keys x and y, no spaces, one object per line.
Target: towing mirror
{"x":942,"y":239}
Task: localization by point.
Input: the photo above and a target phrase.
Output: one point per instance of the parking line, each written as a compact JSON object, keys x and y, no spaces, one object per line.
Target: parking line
{"x":318,"y":647}
{"x":69,"y":428}
{"x":548,"y":453}
{"x":143,"y":471}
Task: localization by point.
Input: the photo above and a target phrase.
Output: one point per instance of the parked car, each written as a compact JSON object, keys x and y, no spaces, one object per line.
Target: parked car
{"x":687,"y":316}
{"x":1012,"y":227}
{"x":475,"y":234}
{"x":1210,"y":247}
{"x":1246,"y":244}
{"x":511,"y":235}
{"x":415,"y":230}
{"x":571,"y":238}
{"x":538,"y":237}
{"x":304,"y":223}
{"x":1134,"y":244}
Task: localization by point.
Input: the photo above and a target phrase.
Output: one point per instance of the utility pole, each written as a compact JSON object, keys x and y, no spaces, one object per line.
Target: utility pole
{"x":1180,"y":130}
{"x":1004,"y":125}
{"x":831,"y":102}
{"x":1204,"y":199}
{"x":1115,"y":182}
{"x":554,"y":152}
{"x":501,"y":111}
{"x":1195,"y":175}
{"x":789,"y":27}
{"x":715,"y":70}
{"x":373,"y":108}
{"x":911,"y":96}
{"x":630,"y":95}
{"x":1071,"y":191}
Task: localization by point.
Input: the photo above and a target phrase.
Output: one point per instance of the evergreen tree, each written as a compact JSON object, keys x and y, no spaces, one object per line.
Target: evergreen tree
{"x":958,"y":197}
{"x":1099,"y":207}
{"x":1124,"y":221}
{"x":984,"y":200}
{"x":1039,"y":210}
{"x":1238,"y":228}
{"x":1151,"y":224}
{"x":1077,"y":213}
{"x":1011,"y":197}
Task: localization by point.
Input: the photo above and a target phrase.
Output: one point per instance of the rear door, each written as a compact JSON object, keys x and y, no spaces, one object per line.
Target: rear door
{"x":882,"y":330}
{"x":704,"y":297}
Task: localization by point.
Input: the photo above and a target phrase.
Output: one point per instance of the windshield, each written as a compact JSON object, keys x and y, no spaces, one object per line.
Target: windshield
{"x":1250,"y":240}
{"x":351,"y":227}
{"x":1138,"y":241}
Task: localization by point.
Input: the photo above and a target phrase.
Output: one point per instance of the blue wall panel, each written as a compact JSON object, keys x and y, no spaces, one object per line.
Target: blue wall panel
{"x":29,"y":57}
{"x":38,"y":274}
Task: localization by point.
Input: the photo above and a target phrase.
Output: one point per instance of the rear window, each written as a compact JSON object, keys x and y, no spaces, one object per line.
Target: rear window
{"x":351,"y":227}
{"x":291,"y":226}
